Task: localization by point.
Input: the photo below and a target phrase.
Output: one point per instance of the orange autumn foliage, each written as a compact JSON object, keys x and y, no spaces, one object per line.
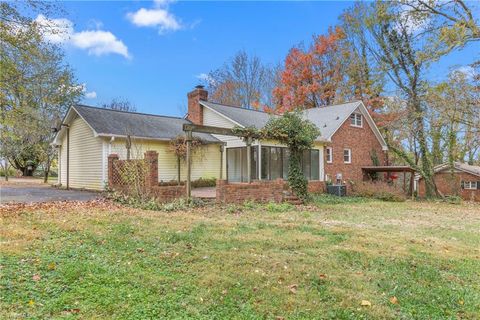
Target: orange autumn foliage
{"x":311,"y":78}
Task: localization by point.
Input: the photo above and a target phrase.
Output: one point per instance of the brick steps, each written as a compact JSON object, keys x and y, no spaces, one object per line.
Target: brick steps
{"x":292,"y":199}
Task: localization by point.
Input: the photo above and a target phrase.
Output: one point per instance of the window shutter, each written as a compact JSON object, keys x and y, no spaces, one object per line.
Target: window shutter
{"x":478,"y":185}
{"x":462,"y":184}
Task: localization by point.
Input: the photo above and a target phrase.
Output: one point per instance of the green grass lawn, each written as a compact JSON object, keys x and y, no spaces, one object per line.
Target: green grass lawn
{"x":403,"y":260}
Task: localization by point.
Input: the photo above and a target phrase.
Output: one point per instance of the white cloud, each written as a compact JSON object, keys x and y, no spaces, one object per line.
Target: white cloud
{"x":467,"y":70}
{"x":96,"y":42}
{"x":91,"y":95}
{"x":158,"y":17}
{"x":99,"y":43}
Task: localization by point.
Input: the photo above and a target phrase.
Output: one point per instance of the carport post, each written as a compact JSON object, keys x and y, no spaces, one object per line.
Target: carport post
{"x":189,"y":163}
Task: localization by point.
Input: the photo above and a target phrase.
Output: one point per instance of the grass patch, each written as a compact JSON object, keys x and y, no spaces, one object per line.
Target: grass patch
{"x":263,"y":262}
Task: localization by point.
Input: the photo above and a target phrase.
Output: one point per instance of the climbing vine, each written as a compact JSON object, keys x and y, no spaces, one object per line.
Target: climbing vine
{"x":298,"y":134}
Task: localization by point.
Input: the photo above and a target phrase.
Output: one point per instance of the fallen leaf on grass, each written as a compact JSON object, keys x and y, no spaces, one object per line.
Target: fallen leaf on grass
{"x":366,"y":303}
{"x":293,"y":288}
{"x":36,"y":277}
{"x":322,"y":276}
{"x":393,"y":300}
{"x":51,"y":266}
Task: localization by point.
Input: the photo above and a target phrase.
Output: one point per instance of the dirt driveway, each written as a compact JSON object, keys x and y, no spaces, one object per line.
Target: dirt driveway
{"x":33,"y":190}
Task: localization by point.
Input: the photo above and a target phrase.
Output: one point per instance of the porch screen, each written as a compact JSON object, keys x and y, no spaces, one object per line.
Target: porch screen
{"x":237,"y":164}
{"x":275,"y":161}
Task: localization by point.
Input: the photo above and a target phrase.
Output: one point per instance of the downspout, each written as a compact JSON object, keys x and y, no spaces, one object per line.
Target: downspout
{"x":68,"y":154}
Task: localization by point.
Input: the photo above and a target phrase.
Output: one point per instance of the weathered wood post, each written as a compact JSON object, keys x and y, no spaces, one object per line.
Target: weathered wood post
{"x":249,"y":159}
{"x":189,"y":163}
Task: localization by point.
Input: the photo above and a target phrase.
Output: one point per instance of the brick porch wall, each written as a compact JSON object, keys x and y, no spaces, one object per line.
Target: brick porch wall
{"x":449,"y":185}
{"x":258,"y":190}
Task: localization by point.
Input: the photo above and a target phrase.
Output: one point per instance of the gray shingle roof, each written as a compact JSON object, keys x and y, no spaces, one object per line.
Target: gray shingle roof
{"x":475,"y":170}
{"x":120,"y":123}
{"x":327,"y":119}
{"x":245,"y":117}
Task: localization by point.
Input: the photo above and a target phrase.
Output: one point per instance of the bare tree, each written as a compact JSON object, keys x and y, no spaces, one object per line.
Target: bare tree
{"x":120,"y":104}
{"x":243,"y":81}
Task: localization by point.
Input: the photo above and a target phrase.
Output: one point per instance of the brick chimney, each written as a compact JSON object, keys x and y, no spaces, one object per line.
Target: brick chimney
{"x":195,"y":110}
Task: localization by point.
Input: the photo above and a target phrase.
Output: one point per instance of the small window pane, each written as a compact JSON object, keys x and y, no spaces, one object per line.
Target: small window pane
{"x":346,"y":155}
{"x":329,"y":154}
{"x":306,"y":164}
{"x":265,"y":163}
{"x":275,"y":163}
{"x":352,"y":119}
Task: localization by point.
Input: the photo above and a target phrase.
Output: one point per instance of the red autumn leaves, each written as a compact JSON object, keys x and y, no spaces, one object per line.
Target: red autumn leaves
{"x":311,"y":77}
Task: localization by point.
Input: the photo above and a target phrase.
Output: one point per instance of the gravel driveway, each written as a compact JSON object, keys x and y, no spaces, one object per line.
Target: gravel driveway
{"x":28,"y":192}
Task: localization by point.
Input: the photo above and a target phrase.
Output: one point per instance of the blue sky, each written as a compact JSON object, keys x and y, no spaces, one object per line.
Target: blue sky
{"x":152,"y":52}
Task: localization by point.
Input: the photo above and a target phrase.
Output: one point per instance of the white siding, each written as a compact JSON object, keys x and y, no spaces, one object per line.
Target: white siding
{"x":211,"y":118}
{"x":205,"y":161}
{"x":85,"y":168}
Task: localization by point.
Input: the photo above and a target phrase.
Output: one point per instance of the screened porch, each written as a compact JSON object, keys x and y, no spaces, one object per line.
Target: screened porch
{"x":269,"y":164}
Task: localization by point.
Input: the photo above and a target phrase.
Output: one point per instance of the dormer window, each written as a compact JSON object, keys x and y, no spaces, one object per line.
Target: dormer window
{"x":356,"y":120}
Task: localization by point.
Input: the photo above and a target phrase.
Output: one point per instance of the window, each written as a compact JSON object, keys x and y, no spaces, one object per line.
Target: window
{"x":275,"y":163}
{"x":347,"y":155}
{"x":356,"y":120}
{"x":470,"y":185}
{"x":329,"y":154}
{"x":237,"y":164}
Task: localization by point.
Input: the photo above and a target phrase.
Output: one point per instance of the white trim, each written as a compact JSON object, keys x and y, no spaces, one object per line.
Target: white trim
{"x":349,"y":155}
{"x":221,"y":114}
{"x":259,"y":159}
{"x":371,"y":123}
{"x":67,"y":120}
{"x":104,"y":163}
{"x":355,"y":120}
{"x":331,"y":155}
{"x":470,"y":185}
{"x":321,"y":167}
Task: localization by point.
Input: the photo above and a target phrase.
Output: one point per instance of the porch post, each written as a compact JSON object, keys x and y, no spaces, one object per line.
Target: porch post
{"x":249,"y":159}
{"x":259,"y":161}
{"x":189,"y":163}
{"x":222,"y":147}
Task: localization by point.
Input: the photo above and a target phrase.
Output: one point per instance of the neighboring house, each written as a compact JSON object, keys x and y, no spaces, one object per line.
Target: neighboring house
{"x":462,"y":180}
{"x":349,"y":140}
{"x":88,"y":135}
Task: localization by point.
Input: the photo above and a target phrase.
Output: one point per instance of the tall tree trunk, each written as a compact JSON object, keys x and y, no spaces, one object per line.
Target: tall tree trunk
{"x":427,"y":167}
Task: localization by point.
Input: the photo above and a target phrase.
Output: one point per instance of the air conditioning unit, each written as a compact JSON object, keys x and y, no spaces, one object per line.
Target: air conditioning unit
{"x":339,"y":190}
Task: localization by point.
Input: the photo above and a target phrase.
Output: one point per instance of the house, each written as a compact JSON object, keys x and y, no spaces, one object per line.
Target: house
{"x":460,"y":180}
{"x":349,"y":141}
{"x":88,"y":135}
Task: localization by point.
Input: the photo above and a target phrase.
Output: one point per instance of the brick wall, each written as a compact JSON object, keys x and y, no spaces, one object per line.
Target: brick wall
{"x":195,"y":110}
{"x":361,"y":141}
{"x":259,"y":191}
{"x":448,"y":185}
{"x":316,"y":186}
{"x":148,"y":180}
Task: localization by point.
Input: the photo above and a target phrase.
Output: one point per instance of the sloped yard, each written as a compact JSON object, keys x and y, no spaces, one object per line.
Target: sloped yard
{"x":353,"y":260}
